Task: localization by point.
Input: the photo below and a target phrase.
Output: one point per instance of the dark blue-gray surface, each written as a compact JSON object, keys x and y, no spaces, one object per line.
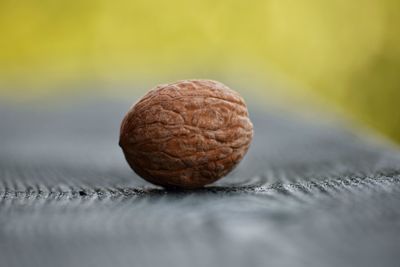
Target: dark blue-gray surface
{"x":307,"y":194}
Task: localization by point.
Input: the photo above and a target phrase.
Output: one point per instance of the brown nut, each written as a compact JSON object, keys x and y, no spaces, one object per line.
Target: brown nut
{"x":186,"y":134}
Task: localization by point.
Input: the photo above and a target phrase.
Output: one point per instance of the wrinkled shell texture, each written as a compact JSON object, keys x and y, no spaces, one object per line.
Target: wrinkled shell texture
{"x":186,"y":134}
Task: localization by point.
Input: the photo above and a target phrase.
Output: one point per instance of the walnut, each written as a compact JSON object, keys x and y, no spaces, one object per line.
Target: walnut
{"x":186,"y":134}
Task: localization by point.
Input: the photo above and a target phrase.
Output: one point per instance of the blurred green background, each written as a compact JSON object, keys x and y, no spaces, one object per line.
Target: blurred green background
{"x":345,"y":53}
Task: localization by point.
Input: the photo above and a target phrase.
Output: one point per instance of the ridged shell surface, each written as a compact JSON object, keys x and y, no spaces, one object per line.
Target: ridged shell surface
{"x":186,"y":134}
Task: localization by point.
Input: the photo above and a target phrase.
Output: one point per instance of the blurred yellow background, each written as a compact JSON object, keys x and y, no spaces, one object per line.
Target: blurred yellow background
{"x":345,"y":52}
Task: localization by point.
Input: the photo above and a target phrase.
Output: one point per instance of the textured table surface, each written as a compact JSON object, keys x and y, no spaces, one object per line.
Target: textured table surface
{"x":307,"y":194}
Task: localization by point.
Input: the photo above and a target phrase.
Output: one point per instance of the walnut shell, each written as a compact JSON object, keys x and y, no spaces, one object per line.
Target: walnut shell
{"x":186,"y":134}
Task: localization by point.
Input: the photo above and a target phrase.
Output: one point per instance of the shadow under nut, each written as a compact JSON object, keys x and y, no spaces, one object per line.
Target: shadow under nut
{"x":186,"y":134}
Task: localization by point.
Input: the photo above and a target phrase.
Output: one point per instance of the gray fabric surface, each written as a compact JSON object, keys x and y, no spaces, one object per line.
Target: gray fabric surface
{"x":307,"y":194}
